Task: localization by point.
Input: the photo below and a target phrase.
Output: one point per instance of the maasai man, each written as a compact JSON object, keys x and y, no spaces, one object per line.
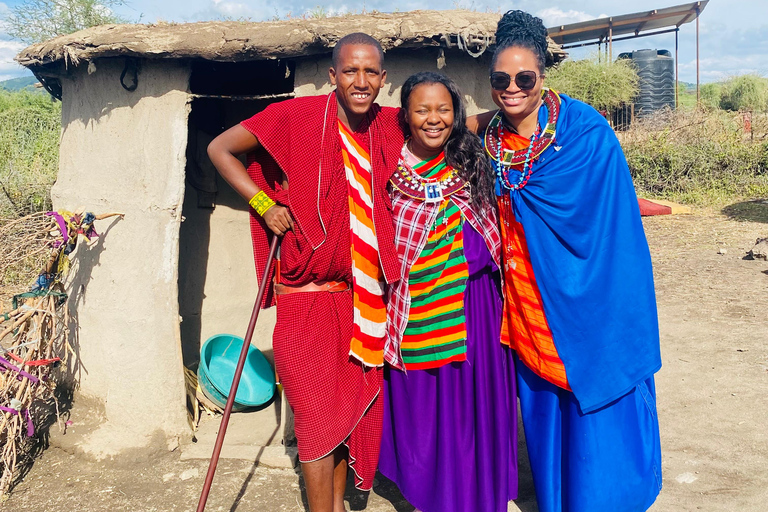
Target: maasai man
{"x":581,"y":307}
{"x":450,"y":415}
{"x":317,"y":176}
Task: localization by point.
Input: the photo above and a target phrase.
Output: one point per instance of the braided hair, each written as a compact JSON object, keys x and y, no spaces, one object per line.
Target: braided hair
{"x":522,"y":30}
{"x":463,"y":150}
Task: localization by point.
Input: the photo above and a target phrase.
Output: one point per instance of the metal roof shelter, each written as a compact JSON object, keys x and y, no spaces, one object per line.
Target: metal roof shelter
{"x":630,"y":26}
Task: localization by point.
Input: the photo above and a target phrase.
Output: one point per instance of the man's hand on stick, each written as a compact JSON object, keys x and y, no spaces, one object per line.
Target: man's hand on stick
{"x":278,"y":219}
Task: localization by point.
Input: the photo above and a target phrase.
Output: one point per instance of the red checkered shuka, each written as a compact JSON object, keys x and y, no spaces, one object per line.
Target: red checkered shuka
{"x":334,"y":399}
{"x":300,"y":138}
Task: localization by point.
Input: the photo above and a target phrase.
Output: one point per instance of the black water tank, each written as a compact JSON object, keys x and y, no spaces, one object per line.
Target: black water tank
{"x":656,"y":69}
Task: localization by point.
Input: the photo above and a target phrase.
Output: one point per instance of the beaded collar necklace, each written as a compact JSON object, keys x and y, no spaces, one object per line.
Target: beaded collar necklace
{"x":431,"y":190}
{"x":504,"y":159}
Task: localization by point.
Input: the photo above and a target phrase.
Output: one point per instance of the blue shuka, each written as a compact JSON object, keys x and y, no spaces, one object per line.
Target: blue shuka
{"x":592,"y":264}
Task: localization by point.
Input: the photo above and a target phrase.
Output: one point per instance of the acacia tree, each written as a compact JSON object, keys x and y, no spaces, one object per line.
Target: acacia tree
{"x":34,"y":21}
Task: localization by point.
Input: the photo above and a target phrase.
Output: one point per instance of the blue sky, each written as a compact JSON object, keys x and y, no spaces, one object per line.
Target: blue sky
{"x":734,"y":33}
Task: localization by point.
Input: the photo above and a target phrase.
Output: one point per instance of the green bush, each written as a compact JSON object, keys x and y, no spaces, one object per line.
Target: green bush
{"x":711,"y":95}
{"x":697,"y":156}
{"x":603,"y":85}
{"x":30,"y":126}
{"x":745,"y":92}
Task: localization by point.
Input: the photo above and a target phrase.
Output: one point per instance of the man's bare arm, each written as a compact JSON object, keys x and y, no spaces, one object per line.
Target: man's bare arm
{"x":223,"y":152}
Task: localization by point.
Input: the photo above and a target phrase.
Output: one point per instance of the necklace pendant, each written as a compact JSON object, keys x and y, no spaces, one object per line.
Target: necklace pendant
{"x":433,"y":193}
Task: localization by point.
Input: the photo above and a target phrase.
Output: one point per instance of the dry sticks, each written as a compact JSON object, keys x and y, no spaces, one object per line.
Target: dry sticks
{"x":34,"y":342}
{"x":34,"y":346}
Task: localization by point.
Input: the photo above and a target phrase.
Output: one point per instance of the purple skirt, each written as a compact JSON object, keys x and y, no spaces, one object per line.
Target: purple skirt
{"x":450,"y":433}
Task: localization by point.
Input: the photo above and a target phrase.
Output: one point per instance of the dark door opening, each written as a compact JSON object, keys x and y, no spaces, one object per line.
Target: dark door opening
{"x":223,"y":94}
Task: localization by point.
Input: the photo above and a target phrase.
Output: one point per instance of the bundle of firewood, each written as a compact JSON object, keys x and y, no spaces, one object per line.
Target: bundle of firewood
{"x":34,"y":341}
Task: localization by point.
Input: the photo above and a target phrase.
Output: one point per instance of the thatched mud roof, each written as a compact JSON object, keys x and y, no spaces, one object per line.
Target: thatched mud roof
{"x":241,"y":41}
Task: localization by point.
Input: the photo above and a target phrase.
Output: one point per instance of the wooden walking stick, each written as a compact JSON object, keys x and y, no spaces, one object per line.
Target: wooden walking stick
{"x":236,"y":379}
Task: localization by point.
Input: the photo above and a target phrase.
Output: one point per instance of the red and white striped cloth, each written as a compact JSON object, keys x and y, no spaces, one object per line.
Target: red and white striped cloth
{"x":370,"y":313}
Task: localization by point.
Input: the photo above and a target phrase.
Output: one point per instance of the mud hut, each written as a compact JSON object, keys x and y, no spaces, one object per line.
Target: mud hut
{"x":139,"y":105}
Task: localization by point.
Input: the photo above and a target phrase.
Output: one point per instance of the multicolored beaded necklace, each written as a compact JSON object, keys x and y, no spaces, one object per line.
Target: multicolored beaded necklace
{"x":431,"y":190}
{"x":505,"y":159}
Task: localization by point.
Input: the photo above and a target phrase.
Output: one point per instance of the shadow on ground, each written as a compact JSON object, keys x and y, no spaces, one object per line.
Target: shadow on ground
{"x":752,"y":211}
{"x":358,"y":500}
{"x":387,"y":489}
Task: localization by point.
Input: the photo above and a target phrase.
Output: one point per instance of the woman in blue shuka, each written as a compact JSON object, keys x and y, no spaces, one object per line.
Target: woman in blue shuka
{"x":580,"y":303}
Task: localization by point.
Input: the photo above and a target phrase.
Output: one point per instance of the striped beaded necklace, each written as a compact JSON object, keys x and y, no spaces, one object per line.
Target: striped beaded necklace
{"x":505,"y":159}
{"x":502,"y":174}
{"x":411,"y":182}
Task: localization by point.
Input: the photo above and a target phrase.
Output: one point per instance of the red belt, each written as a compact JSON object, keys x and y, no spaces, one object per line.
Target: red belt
{"x":319,"y":286}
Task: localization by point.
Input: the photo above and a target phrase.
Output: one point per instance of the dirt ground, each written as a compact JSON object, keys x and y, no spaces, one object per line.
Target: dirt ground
{"x":711,"y":398}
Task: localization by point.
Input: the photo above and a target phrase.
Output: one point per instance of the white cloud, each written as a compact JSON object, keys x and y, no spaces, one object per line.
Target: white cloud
{"x":554,"y":16}
{"x":8,"y":50}
{"x":8,"y":67}
{"x":720,"y":68}
{"x":233,"y":9}
{"x":218,"y":9}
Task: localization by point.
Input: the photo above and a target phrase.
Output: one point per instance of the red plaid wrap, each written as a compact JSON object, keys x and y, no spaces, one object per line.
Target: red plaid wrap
{"x":413,"y":219}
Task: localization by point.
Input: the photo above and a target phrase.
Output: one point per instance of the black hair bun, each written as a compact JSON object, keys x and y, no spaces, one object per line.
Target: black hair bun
{"x":520,"y":28}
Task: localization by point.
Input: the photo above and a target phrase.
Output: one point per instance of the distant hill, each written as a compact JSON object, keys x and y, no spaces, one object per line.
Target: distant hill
{"x":689,"y":86}
{"x":18,"y":84}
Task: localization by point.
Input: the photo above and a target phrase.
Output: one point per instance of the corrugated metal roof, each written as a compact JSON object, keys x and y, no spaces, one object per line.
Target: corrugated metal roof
{"x":635,"y":23}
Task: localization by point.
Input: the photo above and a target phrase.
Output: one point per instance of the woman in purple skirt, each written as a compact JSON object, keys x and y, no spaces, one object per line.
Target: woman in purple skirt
{"x":450,"y":425}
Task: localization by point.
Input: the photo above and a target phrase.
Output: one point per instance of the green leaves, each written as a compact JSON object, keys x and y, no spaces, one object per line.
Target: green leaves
{"x":745,"y":93}
{"x":30,"y":127}
{"x":604,"y":85}
{"x":34,"y":21}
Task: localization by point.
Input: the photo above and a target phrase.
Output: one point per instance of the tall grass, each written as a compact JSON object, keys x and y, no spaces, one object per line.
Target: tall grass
{"x":698,"y":157}
{"x":30,"y":126}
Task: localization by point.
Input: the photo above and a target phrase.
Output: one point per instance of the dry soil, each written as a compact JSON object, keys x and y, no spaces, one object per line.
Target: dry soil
{"x":711,"y":398}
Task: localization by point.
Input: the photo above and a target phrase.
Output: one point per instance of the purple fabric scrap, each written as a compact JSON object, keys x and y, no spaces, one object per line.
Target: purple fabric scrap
{"x":5,"y":363}
{"x":62,"y":226}
{"x":30,"y":425}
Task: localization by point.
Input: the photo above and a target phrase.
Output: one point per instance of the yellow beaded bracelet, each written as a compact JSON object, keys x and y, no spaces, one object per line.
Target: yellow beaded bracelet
{"x":261,"y":202}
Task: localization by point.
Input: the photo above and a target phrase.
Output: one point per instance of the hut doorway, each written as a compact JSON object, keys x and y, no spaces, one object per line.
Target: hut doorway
{"x":217,"y":282}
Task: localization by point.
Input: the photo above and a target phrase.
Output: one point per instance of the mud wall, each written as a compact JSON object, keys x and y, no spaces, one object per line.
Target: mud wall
{"x":469,"y":73}
{"x":124,"y":151}
{"x":217,"y":287}
{"x":171,"y":274}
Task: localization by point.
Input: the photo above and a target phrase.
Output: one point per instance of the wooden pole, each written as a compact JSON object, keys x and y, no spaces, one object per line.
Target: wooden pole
{"x":698,"y":75}
{"x":600,"y":50}
{"x":610,"y":40}
{"x":236,"y":380}
{"x":677,"y":68}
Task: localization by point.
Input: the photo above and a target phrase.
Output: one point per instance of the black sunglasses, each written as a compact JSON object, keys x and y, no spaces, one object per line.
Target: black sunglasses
{"x":525,"y":80}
